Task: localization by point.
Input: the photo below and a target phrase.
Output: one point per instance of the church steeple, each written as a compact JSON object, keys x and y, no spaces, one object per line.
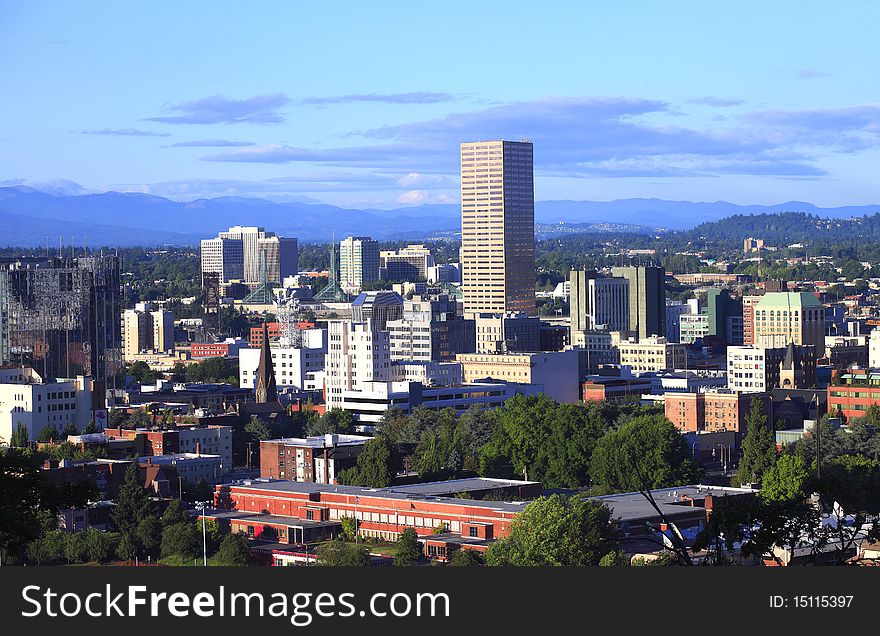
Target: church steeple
{"x":265,"y":388}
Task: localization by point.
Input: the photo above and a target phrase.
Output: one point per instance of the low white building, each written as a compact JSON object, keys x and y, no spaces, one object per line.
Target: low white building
{"x":292,"y":365}
{"x":29,"y":400}
{"x":191,"y":467}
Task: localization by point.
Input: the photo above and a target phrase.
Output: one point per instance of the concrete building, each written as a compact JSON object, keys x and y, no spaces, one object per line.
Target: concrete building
{"x":675,"y":309}
{"x":595,"y":350}
{"x":498,"y":227}
{"x":598,"y":388}
{"x":293,"y":365}
{"x":748,"y":303}
{"x":874,"y":349}
{"x":372,"y":399}
{"x":784,"y":317}
{"x":145,"y":329}
{"x":410,"y":263}
{"x":845,"y":351}
{"x":507,"y":333}
{"x":554,"y":373}
{"x":692,"y":327}
{"x":318,"y":459}
{"x":430,"y":331}
{"x":681,"y":381}
{"x":357,"y":352}
{"x":358,"y":262}
{"x":647,"y":299}
{"x":33,"y":402}
{"x":652,"y":354}
{"x":598,"y":303}
{"x":191,"y":467}
{"x":377,"y":306}
{"x":761,"y":369}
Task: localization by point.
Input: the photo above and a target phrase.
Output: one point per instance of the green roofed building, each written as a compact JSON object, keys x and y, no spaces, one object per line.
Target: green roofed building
{"x":782,"y":318}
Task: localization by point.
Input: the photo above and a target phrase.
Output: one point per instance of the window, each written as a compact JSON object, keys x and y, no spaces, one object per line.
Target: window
{"x":473,"y":531}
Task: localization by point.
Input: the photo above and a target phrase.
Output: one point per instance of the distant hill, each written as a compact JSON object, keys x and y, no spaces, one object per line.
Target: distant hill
{"x":789,"y":227}
{"x":115,"y":218}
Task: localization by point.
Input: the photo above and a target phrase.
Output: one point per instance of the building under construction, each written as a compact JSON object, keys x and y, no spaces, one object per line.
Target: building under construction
{"x":62,"y":316}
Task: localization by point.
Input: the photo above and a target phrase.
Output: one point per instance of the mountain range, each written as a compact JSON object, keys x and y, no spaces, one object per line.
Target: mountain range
{"x":32,"y":217}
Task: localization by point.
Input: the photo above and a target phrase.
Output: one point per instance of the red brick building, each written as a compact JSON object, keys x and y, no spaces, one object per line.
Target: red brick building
{"x":613,"y":388}
{"x":382,"y":513}
{"x":317,"y":459}
{"x":255,"y":338}
{"x":712,"y":411}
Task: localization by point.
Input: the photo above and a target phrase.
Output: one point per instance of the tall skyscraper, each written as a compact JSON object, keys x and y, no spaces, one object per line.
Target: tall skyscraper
{"x":498,"y":227}
{"x":647,"y":299}
{"x":224,"y":257}
{"x":62,"y":316}
{"x":358,"y":262}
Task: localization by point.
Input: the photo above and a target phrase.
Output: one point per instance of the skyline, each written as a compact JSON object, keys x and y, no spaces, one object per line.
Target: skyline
{"x":208,"y":100}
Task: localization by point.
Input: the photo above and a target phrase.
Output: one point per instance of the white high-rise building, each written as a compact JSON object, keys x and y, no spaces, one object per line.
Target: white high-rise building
{"x":28,"y":400}
{"x":498,"y":227}
{"x":598,"y":303}
{"x":356,"y":353}
{"x":358,"y":262}
{"x":223,"y":256}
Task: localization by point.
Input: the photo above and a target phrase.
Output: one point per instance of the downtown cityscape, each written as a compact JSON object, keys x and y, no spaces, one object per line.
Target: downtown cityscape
{"x":579,"y":307}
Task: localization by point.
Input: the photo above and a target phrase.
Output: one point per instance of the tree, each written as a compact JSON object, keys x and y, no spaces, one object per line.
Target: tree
{"x":340,"y":553}
{"x":557,"y":530}
{"x":616,"y":558}
{"x":758,"y":446}
{"x":408,"y":548}
{"x":180,"y":539}
{"x":333,"y":421}
{"x":233,"y":549}
{"x":645,"y":452}
{"x":19,"y":437}
{"x":786,"y":480}
{"x":466,"y":558}
{"x":148,"y":534}
{"x":74,"y":548}
{"x":349,"y":527}
{"x":97,"y":545}
{"x":47,"y":434}
{"x":376,"y":465}
{"x":126,"y":549}
{"x":174,"y":513}
{"x":257,"y":430}
{"x":549,"y":442}
{"x":46,"y":548}
{"x":132,"y":505}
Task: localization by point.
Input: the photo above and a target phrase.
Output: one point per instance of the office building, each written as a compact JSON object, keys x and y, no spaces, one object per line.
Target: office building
{"x":294,"y":366}
{"x":29,"y":400}
{"x":358,"y":262}
{"x":357,"y":352}
{"x":675,"y":309}
{"x":498,"y":227}
{"x":761,"y":369}
{"x":224,"y":257}
{"x":146,"y":329}
{"x":784,"y":317}
{"x":62,"y":316}
{"x":647,"y":299}
{"x":380,"y":307}
{"x":410,"y":263}
{"x":852,"y":392}
{"x":507,"y":333}
{"x":280,"y":257}
{"x":652,"y":354}
{"x":598,"y":303}
{"x":430,"y":331}
{"x":554,"y":373}
{"x":713,"y":411}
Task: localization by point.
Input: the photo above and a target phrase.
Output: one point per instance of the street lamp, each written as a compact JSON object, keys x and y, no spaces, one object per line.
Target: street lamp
{"x":203,"y":506}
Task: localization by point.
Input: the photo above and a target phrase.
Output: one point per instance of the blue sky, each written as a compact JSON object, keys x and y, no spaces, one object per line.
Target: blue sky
{"x":364,"y":104}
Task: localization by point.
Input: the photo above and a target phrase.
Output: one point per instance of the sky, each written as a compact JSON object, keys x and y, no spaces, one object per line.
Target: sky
{"x":363,"y":104}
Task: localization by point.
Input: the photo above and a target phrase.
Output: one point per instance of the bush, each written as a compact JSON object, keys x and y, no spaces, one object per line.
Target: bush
{"x":180,"y":539}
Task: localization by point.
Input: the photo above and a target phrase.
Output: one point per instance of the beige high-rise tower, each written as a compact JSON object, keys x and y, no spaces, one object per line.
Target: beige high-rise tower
{"x":497,"y":227}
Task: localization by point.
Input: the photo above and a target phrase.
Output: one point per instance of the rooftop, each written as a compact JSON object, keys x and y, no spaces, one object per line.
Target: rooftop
{"x":633,"y":506}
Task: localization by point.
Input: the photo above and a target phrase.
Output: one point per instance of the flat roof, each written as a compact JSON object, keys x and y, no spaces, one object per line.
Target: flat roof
{"x":672,"y":501}
{"x":303,"y":487}
{"x":453,"y":486}
{"x":237,"y":515}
